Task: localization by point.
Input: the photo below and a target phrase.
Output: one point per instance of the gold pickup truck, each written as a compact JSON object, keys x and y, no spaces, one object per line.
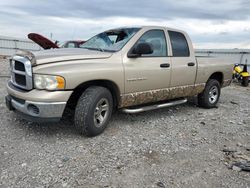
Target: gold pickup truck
{"x":132,"y":69}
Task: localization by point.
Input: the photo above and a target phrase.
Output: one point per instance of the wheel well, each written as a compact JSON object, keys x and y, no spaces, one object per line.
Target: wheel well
{"x":111,"y":86}
{"x":217,"y":76}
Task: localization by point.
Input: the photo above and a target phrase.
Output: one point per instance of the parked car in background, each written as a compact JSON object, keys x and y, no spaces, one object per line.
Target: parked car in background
{"x":42,"y":41}
{"x":72,"y":44}
{"x":46,"y":44}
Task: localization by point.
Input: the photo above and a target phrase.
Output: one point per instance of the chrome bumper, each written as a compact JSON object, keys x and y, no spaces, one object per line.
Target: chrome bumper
{"x":36,"y":110}
{"x":37,"y":105}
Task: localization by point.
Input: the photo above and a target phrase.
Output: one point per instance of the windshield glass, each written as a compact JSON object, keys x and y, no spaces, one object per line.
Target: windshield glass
{"x":112,"y":40}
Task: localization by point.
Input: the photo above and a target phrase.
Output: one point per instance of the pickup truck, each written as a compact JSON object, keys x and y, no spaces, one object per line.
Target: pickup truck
{"x":132,"y":69}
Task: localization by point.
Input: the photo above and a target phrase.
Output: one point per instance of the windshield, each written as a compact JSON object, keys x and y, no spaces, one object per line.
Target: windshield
{"x":112,"y":40}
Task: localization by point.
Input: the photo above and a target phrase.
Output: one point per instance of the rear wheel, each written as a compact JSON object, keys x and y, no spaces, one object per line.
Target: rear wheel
{"x":93,"y":111}
{"x":211,"y":94}
{"x":245,"y":82}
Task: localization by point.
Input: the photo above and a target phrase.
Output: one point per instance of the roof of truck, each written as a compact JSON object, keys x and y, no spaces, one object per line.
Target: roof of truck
{"x":148,"y":27}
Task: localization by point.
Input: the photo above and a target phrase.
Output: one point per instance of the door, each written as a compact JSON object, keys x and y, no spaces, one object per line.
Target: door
{"x":183,"y":60}
{"x":149,"y":71}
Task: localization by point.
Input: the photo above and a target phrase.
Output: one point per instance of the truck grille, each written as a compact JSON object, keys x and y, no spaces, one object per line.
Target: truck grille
{"x":21,"y":72}
{"x":20,"y":79}
{"x":19,"y":66}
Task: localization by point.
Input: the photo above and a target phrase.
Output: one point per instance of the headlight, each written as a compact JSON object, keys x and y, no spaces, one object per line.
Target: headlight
{"x":49,"y":82}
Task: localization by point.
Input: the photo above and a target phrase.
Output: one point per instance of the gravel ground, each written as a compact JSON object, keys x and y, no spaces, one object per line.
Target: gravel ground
{"x":180,"y":146}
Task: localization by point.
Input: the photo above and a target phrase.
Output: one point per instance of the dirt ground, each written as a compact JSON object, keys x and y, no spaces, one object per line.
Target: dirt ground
{"x":182,"y":146}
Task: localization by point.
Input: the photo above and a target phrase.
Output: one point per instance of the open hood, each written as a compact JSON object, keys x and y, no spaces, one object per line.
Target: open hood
{"x":42,"y":41}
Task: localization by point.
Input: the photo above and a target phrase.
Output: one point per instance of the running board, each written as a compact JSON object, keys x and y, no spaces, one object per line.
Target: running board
{"x":153,"y":107}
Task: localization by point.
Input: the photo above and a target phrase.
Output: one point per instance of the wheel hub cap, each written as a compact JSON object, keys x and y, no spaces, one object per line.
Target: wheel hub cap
{"x":101,"y":112}
{"x":213,"y":94}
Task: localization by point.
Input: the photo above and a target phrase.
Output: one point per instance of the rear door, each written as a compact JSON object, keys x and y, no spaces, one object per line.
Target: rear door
{"x":183,"y":60}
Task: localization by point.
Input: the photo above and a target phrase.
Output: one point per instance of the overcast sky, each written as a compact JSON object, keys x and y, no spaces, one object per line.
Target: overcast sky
{"x":210,"y":23}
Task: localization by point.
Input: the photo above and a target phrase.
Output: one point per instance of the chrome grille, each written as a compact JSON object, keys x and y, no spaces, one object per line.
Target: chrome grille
{"x":21,"y":72}
{"x":19,"y":66}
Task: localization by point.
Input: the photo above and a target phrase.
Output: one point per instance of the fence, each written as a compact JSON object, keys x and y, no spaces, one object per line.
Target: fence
{"x":9,"y":45}
{"x":240,"y":54}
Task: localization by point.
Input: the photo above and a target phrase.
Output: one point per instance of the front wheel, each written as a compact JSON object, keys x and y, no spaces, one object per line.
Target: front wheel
{"x":93,"y":111}
{"x":211,"y":94}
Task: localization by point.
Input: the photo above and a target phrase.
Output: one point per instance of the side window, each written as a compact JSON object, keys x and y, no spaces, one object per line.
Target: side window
{"x":179,"y":44}
{"x":158,"y":42}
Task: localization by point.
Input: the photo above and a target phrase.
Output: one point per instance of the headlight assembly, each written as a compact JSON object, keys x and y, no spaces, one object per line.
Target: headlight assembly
{"x":49,"y":82}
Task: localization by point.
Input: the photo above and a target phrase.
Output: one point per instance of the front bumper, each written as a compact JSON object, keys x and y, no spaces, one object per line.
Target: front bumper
{"x":36,"y":111}
{"x":37,"y":105}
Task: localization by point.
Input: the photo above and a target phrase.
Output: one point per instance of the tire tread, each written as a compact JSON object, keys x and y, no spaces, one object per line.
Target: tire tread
{"x":203,"y":97}
{"x":84,"y":105}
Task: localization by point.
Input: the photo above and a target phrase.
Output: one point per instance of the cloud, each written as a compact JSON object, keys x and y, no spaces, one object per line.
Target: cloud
{"x":163,"y":9}
{"x":207,"y":21}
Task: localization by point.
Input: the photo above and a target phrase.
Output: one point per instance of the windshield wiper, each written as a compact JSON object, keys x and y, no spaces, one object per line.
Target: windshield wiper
{"x":99,"y":49}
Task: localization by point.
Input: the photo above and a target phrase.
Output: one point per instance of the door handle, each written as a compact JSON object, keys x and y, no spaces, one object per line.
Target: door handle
{"x":190,"y":64}
{"x":165,"y":65}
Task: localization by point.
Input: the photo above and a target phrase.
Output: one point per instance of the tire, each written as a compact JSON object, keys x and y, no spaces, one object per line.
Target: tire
{"x":93,"y":111}
{"x":211,"y":94}
{"x":245,"y":82}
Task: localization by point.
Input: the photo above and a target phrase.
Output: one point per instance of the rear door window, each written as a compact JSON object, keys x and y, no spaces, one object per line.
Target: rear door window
{"x":179,"y":44}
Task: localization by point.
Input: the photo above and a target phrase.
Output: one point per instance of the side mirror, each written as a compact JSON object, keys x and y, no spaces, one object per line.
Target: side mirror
{"x":140,"y":49}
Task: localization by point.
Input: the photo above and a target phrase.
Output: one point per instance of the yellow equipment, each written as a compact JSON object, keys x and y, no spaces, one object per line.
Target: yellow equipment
{"x":240,"y":73}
